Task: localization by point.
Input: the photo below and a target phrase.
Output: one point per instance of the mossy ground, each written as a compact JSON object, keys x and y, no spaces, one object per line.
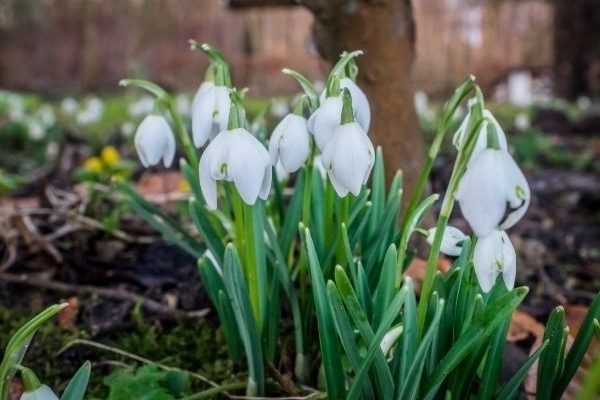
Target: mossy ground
{"x":193,"y":346}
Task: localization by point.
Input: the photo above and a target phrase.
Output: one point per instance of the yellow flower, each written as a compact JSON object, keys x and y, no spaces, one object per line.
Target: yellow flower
{"x":110,"y":156}
{"x":183,"y":186}
{"x":93,"y":164}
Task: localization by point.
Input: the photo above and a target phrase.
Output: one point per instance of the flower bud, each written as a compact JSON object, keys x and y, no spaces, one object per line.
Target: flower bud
{"x":154,"y":140}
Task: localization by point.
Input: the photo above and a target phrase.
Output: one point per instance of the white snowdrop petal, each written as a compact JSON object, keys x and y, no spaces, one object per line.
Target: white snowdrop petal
{"x":247,"y":162}
{"x":518,"y":193}
{"x":501,"y":136}
{"x":203,"y":108}
{"x":275,"y":140}
{"x":485,"y":260}
{"x":41,"y":393}
{"x":265,"y":188}
{"x":325,"y":119}
{"x":340,"y":189}
{"x":351,"y":159}
{"x":481,"y":193}
{"x":222,"y":107}
{"x":152,"y":139}
{"x":390,"y":339}
{"x":169,"y":151}
{"x":360,"y":103}
{"x":208,"y":184}
{"x":294,"y":146}
{"x":509,"y":262}
{"x":451,"y":241}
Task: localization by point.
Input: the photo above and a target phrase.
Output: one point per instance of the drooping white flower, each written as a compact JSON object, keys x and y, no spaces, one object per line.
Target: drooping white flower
{"x":154,"y":140}
{"x":494,"y":254}
{"x":324,"y":120}
{"x":360,"y":103}
{"x":451,"y":241}
{"x":390,"y":339}
{"x":69,"y":105}
{"x":348,"y":158}
{"x":290,"y":143}
{"x":41,"y":393}
{"x":488,"y":127}
{"x":235,"y":156}
{"x":493,"y":193}
{"x":210,"y":112}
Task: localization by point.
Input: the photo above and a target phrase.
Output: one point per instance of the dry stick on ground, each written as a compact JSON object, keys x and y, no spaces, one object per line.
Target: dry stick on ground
{"x":117,"y":294}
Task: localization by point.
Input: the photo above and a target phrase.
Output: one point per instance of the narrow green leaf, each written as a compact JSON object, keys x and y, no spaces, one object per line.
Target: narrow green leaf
{"x":410,"y":386}
{"x":386,"y":285}
{"x":237,"y":290}
{"x":386,"y":390}
{"x":409,"y":335}
{"x":77,"y":386}
{"x":493,"y":363}
{"x":293,"y":214}
{"x":361,"y":321}
{"x":549,"y":367}
{"x":202,"y":223}
{"x":579,"y":347}
{"x":18,"y":343}
{"x":346,"y":334}
{"x":510,"y":389}
{"x":334,"y":373}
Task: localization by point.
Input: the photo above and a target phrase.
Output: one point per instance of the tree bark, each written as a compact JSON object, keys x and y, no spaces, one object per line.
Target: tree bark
{"x":576,"y":50}
{"x":385,"y":30}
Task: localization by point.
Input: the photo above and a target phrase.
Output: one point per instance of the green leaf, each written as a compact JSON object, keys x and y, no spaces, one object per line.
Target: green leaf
{"x":386,"y":389}
{"x":334,"y":373}
{"x":346,"y":335}
{"x":579,"y":347}
{"x":377,"y":192}
{"x":237,"y":290}
{"x":509,"y":390}
{"x":202,"y":223}
{"x":409,"y":335}
{"x":385,"y":288}
{"x":410,"y":385}
{"x":361,"y":321}
{"x":551,"y":361}
{"x":493,"y":363}
{"x":493,"y":315}
{"x":293,"y":214}
{"x":77,"y":386}
{"x":17,"y":345}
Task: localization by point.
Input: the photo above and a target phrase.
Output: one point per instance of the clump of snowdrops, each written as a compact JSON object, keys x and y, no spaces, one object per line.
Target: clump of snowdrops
{"x":301,"y":224}
{"x":330,"y":251}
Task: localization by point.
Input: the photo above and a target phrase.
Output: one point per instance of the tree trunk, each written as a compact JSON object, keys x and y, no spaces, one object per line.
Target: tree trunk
{"x":576,"y":50}
{"x":385,"y":30}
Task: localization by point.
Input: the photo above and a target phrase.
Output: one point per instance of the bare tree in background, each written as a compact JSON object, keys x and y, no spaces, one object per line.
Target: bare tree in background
{"x":385,"y":30}
{"x":576,"y":49}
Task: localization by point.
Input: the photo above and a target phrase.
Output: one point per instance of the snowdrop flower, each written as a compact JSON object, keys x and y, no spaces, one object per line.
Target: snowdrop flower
{"x":210,"y":112}
{"x":329,"y":117}
{"x":324,"y":120}
{"x":451,"y":241}
{"x":489,"y":126}
{"x":522,"y":121}
{"x":290,"y":143}
{"x":69,"y":105}
{"x":43,"y":392}
{"x":154,"y":140}
{"x":46,"y":115}
{"x":235,"y":156}
{"x":143,"y":106}
{"x":494,"y":254}
{"x":92,"y":112}
{"x":279,"y":108}
{"x":348,"y":158}
{"x":390,"y":339}
{"x":493,"y":193}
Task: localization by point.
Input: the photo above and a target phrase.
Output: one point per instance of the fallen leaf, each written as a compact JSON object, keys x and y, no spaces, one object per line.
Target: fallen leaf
{"x":68,"y":316}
